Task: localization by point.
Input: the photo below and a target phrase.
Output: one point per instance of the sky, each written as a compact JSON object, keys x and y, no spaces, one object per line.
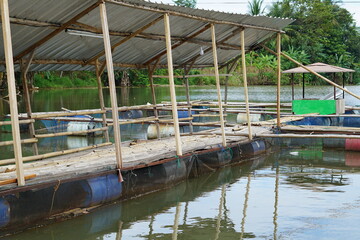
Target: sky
{"x":241,"y":6}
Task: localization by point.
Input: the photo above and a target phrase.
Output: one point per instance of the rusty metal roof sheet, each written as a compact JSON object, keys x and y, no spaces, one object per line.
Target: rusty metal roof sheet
{"x":32,"y":20}
{"x":319,"y":68}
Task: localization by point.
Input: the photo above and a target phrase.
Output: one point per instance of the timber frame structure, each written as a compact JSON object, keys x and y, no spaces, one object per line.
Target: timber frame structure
{"x":70,"y":35}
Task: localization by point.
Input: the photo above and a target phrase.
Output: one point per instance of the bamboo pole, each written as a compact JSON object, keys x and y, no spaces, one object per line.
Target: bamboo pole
{"x":313,"y":72}
{"x":243,"y":60}
{"x":278,"y":48}
{"x":71,"y":133}
{"x":57,"y":31}
{"x":156,"y":113}
{"x":53,"y":154}
{"x":101,"y":99}
{"x":65,"y":114}
{"x":124,"y":40}
{"x":23,"y":141}
{"x":216,"y":68}
{"x":110,"y":70}
{"x":172,"y":85}
{"x":188,"y":99}
{"x":3,"y":123}
{"x":24,"y":70}
{"x":14,"y":180}
{"x":12,"y":91}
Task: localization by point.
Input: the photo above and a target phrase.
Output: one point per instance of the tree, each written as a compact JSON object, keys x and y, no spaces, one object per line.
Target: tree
{"x":185,"y":3}
{"x":323,"y":30}
{"x":256,"y":8}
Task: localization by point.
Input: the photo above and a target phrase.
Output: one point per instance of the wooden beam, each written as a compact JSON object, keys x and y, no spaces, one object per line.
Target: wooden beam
{"x":178,"y":44}
{"x":188,"y":99}
{"x":244,"y":70}
{"x":235,"y":32}
{"x":87,"y":28}
{"x":181,"y":14}
{"x":216,"y":68}
{"x":112,"y":87}
{"x":24,"y":70}
{"x":57,"y":31}
{"x":153,"y":95}
{"x":192,"y":76}
{"x":101,"y":99}
{"x":278,"y":73}
{"x":124,"y":40}
{"x":12,"y":91}
{"x":172,"y":85}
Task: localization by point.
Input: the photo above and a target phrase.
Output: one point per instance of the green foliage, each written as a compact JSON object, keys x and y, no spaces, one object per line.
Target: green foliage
{"x":49,"y":79}
{"x":322,"y":29}
{"x":256,"y":8}
{"x":185,"y":3}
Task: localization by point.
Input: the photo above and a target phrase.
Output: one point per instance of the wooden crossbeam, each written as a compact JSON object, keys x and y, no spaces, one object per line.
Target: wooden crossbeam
{"x":56,"y":32}
{"x":193,"y":59}
{"x":91,"y":29}
{"x":122,"y":41}
{"x":178,"y":44}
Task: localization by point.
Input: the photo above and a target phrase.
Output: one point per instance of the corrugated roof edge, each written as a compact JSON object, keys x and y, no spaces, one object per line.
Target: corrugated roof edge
{"x":179,"y":10}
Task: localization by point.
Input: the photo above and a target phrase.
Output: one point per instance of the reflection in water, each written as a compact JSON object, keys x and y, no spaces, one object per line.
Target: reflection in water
{"x":176,"y":221}
{"x":276,"y":202}
{"x":245,"y":207}
{"x":220,"y":205}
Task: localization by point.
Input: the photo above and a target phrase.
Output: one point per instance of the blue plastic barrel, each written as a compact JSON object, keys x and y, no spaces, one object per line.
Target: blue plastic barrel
{"x":4,"y":212}
{"x":101,"y":189}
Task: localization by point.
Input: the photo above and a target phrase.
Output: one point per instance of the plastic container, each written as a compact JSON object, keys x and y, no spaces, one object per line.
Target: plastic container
{"x":101,"y":190}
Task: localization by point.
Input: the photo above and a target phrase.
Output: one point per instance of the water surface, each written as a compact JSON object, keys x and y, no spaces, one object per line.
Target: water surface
{"x":285,"y":194}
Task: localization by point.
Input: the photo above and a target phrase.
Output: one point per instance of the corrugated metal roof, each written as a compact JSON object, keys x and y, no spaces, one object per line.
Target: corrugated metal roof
{"x":319,"y":68}
{"x":33,"y":20}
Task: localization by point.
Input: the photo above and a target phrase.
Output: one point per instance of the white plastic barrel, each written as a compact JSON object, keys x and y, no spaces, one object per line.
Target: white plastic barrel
{"x":254,"y":117}
{"x":165,"y":131}
{"x":81,"y":126}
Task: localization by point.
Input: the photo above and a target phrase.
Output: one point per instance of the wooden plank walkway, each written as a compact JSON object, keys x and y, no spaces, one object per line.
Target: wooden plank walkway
{"x":102,"y":159}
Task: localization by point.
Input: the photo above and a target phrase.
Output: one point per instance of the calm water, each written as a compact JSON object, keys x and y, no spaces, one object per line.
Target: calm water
{"x":286,"y":194}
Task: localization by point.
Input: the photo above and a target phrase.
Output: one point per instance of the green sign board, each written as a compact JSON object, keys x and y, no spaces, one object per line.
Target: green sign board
{"x":322,"y":107}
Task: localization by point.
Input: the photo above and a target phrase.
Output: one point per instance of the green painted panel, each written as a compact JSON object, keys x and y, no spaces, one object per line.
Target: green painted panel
{"x":322,"y":107}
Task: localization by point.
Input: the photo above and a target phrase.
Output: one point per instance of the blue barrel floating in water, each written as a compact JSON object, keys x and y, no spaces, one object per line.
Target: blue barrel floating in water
{"x":101,"y":190}
{"x":4,"y":212}
{"x":351,"y":122}
{"x":312,"y":121}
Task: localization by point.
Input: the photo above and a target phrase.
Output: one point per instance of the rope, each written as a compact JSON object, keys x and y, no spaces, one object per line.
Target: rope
{"x":56,"y":187}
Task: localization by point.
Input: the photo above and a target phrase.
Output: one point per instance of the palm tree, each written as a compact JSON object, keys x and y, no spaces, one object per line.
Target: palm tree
{"x":256,"y":8}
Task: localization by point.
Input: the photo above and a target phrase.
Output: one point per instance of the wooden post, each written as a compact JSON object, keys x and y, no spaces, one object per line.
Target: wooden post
{"x":12,"y":91}
{"x":24,"y":70}
{"x":343,"y":85}
{"x":216,"y":68}
{"x":303,"y":85}
{"x":292,"y":87}
{"x":101,"y":99}
{"x":112,"y":87}
{"x":156,"y":113}
{"x":226,"y":90}
{"x":243,"y":60}
{"x":188,"y":100}
{"x":334,"y":86}
{"x":172,"y":85}
{"x":278,"y":48}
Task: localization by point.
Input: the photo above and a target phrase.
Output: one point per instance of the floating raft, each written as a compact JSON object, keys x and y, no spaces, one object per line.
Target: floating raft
{"x":135,"y":155}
